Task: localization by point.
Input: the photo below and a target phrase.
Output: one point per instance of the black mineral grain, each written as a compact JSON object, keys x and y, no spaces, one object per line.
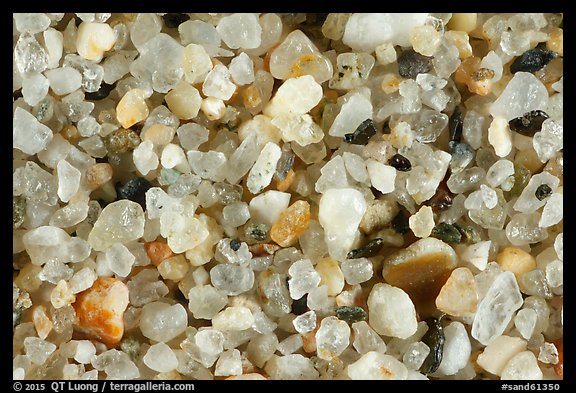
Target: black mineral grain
{"x":411,"y":63}
{"x":543,"y":191}
{"x":101,"y":93}
{"x":365,"y":131}
{"x":532,"y":60}
{"x":173,"y":20}
{"x":134,"y":190}
{"x":400,"y":223}
{"x":400,"y":162}
{"x":455,"y":125}
{"x":235,"y":244}
{"x":300,"y":306}
{"x":447,"y":233}
{"x":370,"y":249}
{"x":434,"y":338}
{"x":528,"y":124}
{"x":351,"y":314}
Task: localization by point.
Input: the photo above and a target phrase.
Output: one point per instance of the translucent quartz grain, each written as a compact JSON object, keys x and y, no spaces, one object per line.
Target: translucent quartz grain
{"x":499,"y":352}
{"x":54,"y":271}
{"x":31,"y":23}
{"x":229,"y":363}
{"x":377,"y":366}
{"x":242,"y":159}
{"x":306,"y":211}
{"x":47,"y":243}
{"x":303,"y":279}
{"x":231,"y":251}
{"x":162,"y":322}
{"x":382,"y":176}
{"x":383,"y":27}
{"x":458,"y":296}
{"x":296,"y":95}
{"x":296,"y":56}
{"x":198,"y":32}
{"x":261,"y":173}
{"x":131,"y":109}
{"x":145,"y":27}
{"x":273,"y":292}
{"x":29,"y":135}
{"x":236,"y":214}
{"x":549,"y":140}
{"x":173,"y":157}
{"x":267,"y":207}
{"x":497,"y":308}
{"x":93,"y":39}
{"x":340,"y":213}
{"x":415,"y":355}
{"x":357,"y":271}
{"x":522,"y":94}
{"x":29,"y":55}
{"x":353,"y":112}
{"x":523,"y":229}
{"x":160,"y":63}
{"x":525,"y":322}
{"x":240,"y":30}
{"x":218,"y":84}
{"x":38,"y":350}
{"x":183,"y":232}
{"x":331,"y":275}
{"x":120,"y":259}
{"x":499,"y":172}
{"x":305,"y":323}
{"x":391,"y":312}
{"x":293,"y":366}
{"x":68,"y":180}
{"x":366,"y":339}
{"x":233,"y":318}
{"x":232,"y":279}
{"x":92,"y":73}
{"x":333,"y":175}
{"x":522,"y":366}
{"x":116,"y":364}
{"x":34,"y":88}
{"x":422,"y":222}
{"x":120,"y":221}
{"x":184,"y":101}
{"x":242,"y":69}
{"x":145,"y":157}
{"x":290,"y":344}
{"x":319,"y":301}
{"x":332,"y":338}
{"x":353,"y":70}
{"x":53,"y":41}
{"x":457,"y":349}
{"x":82,"y":280}
{"x":160,"y":357}
{"x":209,"y":165}
{"x":298,"y":128}
{"x":117,"y":66}
{"x":197,"y":63}
{"x":548,"y":354}
{"x":85,"y":350}
{"x":553,"y":212}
